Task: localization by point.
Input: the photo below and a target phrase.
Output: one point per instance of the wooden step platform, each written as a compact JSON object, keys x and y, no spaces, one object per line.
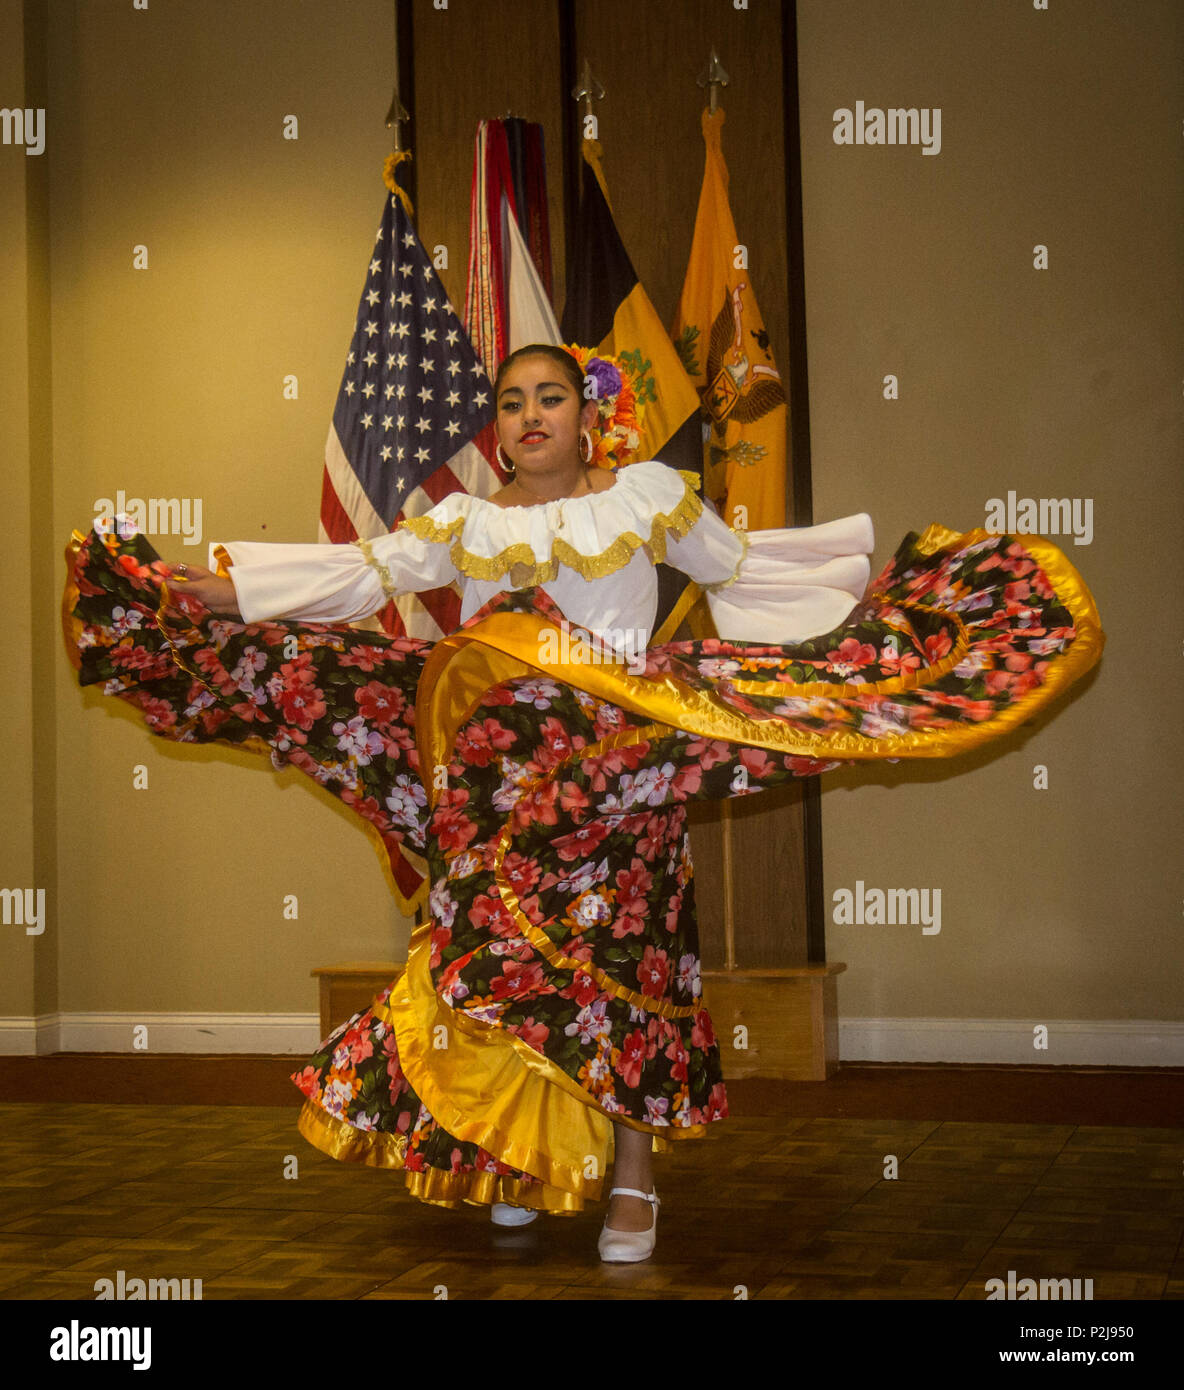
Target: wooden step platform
{"x":780,"y":1023}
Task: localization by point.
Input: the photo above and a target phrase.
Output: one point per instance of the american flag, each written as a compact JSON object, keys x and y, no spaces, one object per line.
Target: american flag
{"x":414,"y":415}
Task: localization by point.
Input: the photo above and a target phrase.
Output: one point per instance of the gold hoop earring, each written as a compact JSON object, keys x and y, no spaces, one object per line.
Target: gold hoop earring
{"x":585,"y":434}
{"x":506,"y":467}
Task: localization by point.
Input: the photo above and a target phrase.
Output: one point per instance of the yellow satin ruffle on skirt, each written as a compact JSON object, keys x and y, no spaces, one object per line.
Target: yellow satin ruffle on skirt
{"x":507,"y":645}
{"x":484,"y":1086}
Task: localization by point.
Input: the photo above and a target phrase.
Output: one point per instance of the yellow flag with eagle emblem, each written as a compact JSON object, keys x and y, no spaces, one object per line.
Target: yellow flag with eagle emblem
{"x":721,"y":338}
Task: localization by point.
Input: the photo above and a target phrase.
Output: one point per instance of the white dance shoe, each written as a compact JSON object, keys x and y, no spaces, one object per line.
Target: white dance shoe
{"x":627,"y":1247}
{"x":503,"y":1214}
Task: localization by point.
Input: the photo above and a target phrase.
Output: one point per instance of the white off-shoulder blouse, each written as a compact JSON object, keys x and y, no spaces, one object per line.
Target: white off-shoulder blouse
{"x":593,"y":555}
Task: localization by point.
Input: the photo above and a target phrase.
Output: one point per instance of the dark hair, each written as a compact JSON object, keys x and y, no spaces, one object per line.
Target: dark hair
{"x":561,"y":356}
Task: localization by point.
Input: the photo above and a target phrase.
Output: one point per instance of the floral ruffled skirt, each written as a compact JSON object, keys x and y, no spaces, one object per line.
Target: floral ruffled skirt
{"x":554,"y":987}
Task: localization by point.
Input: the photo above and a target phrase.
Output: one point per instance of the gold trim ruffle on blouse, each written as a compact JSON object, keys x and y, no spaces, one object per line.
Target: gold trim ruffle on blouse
{"x":389,"y":587}
{"x":523,"y":566}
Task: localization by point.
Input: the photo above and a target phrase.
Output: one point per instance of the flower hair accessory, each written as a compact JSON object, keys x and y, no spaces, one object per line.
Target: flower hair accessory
{"x":624,"y":384}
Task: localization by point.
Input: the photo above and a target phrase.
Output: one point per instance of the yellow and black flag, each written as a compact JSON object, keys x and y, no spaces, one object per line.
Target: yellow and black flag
{"x":722,"y":342}
{"x":608,"y":311}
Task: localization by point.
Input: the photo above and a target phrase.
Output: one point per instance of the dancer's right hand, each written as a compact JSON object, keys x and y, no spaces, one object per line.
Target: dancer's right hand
{"x":218,"y":595}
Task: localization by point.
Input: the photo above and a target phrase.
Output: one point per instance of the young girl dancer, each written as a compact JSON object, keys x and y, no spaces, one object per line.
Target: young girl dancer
{"x":550,"y":1020}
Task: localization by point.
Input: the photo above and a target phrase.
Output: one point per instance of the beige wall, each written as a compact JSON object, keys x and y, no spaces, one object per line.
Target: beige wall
{"x":168,"y":382}
{"x":1059,"y":128}
{"x":20,"y":955}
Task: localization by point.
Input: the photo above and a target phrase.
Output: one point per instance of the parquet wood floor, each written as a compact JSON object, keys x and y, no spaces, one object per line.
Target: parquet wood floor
{"x":779,"y":1208}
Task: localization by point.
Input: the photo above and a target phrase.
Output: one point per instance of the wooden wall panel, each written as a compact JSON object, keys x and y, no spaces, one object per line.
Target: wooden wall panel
{"x":647,"y":57}
{"x":766,"y":886}
{"x":476,"y":62}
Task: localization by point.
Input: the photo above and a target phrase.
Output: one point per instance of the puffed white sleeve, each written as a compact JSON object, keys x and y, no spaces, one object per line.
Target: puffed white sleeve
{"x":778,"y":586}
{"x":332,"y":583}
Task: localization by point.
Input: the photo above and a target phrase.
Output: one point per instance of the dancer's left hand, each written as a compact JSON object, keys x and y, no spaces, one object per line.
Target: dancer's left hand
{"x":218,"y":595}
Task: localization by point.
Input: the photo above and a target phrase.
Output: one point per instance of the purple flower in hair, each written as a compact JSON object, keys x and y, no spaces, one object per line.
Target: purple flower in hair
{"x":608,"y":379}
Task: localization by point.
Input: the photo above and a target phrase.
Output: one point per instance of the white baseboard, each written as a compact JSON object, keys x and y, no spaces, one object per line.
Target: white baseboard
{"x":1071,"y":1042}
{"x":297,"y":1035}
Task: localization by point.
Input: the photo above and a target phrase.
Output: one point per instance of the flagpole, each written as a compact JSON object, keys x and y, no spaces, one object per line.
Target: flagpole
{"x":587,"y":90}
{"x":729,"y":897}
{"x":396,"y":116}
{"x":570,"y":144}
{"x":402,"y":107}
{"x":799,"y":424}
{"x":713,"y":77}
